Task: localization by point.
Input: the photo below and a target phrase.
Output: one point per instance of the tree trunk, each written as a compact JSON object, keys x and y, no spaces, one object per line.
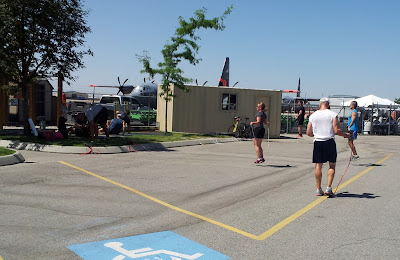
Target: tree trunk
{"x":4,"y":108}
{"x":59,"y":96}
{"x":25,"y":108}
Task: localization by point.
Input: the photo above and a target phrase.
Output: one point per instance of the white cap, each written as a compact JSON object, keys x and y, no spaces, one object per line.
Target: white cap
{"x":324,"y":99}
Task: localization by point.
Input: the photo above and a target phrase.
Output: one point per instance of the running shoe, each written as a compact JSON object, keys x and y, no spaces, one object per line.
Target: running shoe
{"x":260,"y":160}
{"x":320,"y":192}
{"x":299,"y":136}
{"x":355,"y":157}
{"x":329,"y":192}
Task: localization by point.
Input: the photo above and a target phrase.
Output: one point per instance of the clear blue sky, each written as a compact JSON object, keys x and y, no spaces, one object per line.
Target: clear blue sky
{"x":336,"y":47}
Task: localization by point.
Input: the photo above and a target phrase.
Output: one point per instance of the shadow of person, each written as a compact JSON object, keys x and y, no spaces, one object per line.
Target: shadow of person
{"x":274,"y":166}
{"x":368,"y":164}
{"x":346,"y":194}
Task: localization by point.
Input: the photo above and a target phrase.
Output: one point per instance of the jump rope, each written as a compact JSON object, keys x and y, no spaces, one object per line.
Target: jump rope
{"x":131,"y":148}
{"x":90,"y":146}
{"x":351,"y":153}
{"x":252,"y":130}
{"x":348,"y":165}
{"x":344,"y":172}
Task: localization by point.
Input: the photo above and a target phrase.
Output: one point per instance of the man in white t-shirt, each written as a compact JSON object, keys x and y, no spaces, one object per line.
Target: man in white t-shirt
{"x":323,"y":126}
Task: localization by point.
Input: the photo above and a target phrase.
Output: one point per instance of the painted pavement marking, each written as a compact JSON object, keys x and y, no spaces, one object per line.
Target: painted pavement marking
{"x":154,"y":246}
{"x":262,"y":236}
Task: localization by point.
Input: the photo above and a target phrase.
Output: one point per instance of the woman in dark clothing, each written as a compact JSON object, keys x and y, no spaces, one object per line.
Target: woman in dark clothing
{"x":259,"y":131}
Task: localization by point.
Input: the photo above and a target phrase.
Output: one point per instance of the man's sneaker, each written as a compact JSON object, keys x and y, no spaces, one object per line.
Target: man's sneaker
{"x":355,"y":157}
{"x":299,"y":136}
{"x":329,"y":192}
{"x":319,"y":192}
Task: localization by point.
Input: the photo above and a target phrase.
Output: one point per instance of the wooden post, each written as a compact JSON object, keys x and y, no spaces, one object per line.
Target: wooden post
{"x":59,"y":95}
{"x":166,"y":114}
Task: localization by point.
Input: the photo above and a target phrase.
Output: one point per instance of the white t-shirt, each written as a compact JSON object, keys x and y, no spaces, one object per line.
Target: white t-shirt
{"x":322,"y":124}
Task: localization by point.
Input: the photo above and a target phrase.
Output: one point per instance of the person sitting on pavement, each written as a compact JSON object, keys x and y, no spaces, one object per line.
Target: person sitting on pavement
{"x":127,"y":121}
{"x":81,"y":126}
{"x":117,"y":124}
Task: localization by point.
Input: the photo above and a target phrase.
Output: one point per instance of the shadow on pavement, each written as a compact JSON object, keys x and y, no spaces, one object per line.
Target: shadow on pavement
{"x":274,"y":166}
{"x":368,"y":164}
{"x":287,"y":137}
{"x":361,"y":196}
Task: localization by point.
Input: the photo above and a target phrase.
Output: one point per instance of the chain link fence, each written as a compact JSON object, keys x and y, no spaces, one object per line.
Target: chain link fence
{"x":374,"y":120}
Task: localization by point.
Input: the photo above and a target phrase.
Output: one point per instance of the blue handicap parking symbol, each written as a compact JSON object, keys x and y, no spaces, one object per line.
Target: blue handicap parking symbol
{"x":155,"y":246}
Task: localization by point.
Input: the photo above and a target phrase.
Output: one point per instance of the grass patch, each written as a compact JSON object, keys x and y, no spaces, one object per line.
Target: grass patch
{"x":5,"y":151}
{"x":132,"y":138}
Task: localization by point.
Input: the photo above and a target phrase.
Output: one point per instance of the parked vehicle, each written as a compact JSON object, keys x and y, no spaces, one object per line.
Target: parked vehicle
{"x":117,"y":102}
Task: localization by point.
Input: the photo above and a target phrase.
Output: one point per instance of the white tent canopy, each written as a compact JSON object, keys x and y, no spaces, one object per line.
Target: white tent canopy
{"x":372,"y":100}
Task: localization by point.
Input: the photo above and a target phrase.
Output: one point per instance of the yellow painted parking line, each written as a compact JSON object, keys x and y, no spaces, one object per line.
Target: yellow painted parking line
{"x":363,"y":172}
{"x":263,"y":236}
{"x":283,"y":223}
{"x":1,"y":258}
{"x":164,"y":203}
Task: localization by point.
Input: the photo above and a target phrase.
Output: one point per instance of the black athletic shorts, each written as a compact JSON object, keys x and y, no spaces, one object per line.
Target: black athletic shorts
{"x":300,"y":120}
{"x":259,"y":132}
{"x":101,"y":117}
{"x":324,"y":151}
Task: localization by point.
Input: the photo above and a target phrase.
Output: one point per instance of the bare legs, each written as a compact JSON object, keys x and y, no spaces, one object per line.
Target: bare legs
{"x":257,"y":145}
{"x":300,"y":129}
{"x":318,"y":174}
{"x":352,"y":147}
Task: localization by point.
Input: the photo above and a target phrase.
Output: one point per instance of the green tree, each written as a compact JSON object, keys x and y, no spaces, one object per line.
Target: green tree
{"x":182,"y":46}
{"x":397,"y":100}
{"x":40,"y":38}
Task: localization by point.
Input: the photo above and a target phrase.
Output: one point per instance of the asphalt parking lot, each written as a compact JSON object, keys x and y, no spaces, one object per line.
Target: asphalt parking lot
{"x":205,"y":197}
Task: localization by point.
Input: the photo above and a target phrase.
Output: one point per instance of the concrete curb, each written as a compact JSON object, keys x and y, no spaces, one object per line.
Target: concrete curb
{"x":112,"y":149}
{"x":11,"y":159}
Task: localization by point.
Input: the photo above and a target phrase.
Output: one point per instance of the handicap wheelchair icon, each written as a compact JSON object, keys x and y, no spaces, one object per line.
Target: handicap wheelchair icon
{"x":144,"y":252}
